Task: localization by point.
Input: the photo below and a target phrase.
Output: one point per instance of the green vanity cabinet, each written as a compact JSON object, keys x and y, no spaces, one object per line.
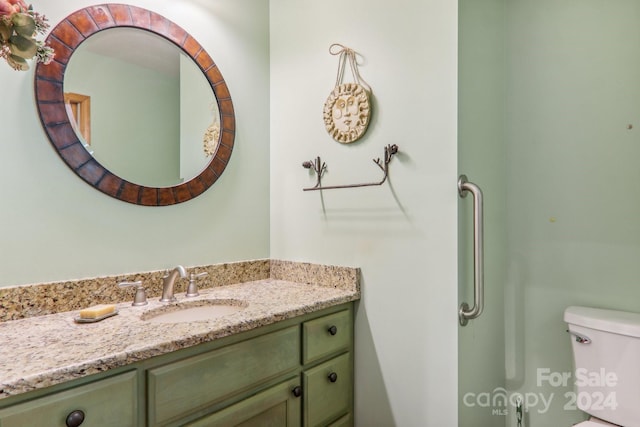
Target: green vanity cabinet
{"x":298,"y":375}
{"x":109,"y":402}
{"x":296,"y":372}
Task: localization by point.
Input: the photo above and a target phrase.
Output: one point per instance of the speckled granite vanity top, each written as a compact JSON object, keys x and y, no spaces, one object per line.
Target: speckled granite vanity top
{"x":41,"y":351}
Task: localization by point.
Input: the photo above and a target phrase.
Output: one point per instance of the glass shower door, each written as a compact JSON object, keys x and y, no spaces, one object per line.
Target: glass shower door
{"x":481,"y":148}
{"x":549,"y":114}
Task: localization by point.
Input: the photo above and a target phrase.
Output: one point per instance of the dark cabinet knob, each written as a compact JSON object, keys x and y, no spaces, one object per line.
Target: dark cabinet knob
{"x":333,"y":330}
{"x":333,"y":377}
{"x":297,"y":391}
{"x":75,"y":419}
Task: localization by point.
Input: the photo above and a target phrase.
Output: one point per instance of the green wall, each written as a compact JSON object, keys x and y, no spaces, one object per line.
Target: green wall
{"x":56,"y":227}
{"x":402,"y":234}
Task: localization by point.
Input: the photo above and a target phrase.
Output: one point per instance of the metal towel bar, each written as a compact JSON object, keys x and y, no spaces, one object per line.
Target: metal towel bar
{"x":465,"y":313}
{"x":319,"y":167}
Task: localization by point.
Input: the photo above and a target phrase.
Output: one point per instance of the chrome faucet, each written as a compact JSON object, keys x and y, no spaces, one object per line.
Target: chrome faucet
{"x":168,"y":283}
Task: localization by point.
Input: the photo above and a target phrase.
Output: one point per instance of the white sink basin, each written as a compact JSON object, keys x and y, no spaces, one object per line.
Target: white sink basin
{"x":193,"y":312}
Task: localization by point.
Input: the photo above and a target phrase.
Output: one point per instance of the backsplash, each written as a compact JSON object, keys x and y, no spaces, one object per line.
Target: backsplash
{"x":48,"y":298}
{"x":316,"y":274}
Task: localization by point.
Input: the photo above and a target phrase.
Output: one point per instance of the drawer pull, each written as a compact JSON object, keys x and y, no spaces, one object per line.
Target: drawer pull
{"x":75,"y":418}
{"x":333,"y":330}
{"x":297,"y":391}
{"x":333,"y":377}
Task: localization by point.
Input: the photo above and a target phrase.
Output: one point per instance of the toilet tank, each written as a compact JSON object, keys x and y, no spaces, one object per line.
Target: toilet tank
{"x":606,"y":353}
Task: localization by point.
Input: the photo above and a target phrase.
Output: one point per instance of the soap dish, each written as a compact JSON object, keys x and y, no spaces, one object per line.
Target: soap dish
{"x":96,"y":319}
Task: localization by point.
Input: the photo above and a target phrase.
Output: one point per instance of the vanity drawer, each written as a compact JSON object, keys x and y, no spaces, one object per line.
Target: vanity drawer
{"x":326,"y":335}
{"x":188,"y":385}
{"x":111,"y":402}
{"x":327,"y":391}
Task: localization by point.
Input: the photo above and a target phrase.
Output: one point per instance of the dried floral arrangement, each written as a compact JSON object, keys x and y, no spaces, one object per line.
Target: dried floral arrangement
{"x":19,"y":26}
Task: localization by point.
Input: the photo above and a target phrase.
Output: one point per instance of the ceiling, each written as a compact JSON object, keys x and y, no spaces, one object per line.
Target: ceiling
{"x":137,"y":47}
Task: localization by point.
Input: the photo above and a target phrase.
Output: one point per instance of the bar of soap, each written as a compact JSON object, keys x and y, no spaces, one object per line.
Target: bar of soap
{"x":97,"y":311}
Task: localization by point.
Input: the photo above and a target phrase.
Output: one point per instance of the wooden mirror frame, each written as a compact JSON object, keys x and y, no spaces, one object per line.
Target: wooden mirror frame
{"x":49,"y":94}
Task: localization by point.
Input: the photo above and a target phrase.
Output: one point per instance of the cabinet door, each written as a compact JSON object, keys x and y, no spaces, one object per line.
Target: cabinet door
{"x":274,"y":407}
{"x":345,"y":421}
{"x":106,"y":403}
{"x":181,"y":388}
{"x":327,"y":391}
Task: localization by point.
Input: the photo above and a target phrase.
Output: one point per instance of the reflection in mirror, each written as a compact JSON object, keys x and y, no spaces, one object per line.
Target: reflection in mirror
{"x":162,"y":131}
{"x":79,"y":111}
{"x":151,"y":106}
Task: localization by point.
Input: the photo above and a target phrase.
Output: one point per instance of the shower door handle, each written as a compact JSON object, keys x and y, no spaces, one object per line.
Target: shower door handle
{"x":465,"y":313}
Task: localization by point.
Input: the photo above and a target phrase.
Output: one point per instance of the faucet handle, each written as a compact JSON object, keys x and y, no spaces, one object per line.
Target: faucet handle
{"x":192,"y":289}
{"x":141,"y":294}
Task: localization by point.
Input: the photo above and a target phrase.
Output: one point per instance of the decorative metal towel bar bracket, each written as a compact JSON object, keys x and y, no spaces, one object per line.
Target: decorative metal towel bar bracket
{"x":320,"y":167}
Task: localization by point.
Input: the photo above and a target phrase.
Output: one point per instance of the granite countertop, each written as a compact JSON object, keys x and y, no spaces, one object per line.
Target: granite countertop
{"x":42,"y":351}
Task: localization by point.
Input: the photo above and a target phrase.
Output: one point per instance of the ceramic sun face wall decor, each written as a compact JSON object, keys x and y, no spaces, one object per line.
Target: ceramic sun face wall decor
{"x":347,"y":109}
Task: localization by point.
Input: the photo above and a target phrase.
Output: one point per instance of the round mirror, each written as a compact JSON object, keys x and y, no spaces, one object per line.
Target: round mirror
{"x":135,"y":106}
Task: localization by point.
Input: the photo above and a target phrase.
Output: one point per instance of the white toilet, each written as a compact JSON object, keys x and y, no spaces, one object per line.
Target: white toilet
{"x":606,"y":353}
